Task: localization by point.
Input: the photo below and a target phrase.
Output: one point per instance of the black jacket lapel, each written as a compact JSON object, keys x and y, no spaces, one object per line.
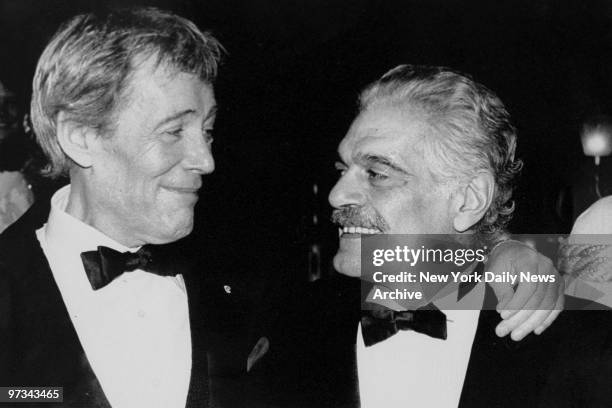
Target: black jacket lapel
{"x":37,"y":311}
{"x":199,"y":387}
{"x":502,"y":372}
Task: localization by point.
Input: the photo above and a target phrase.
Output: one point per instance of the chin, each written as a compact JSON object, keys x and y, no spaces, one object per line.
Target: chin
{"x":347,"y":265}
{"x":174,"y":231}
{"x":182,"y":231}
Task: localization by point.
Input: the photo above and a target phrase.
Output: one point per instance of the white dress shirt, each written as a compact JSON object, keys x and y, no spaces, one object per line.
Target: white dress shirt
{"x":411,"y":369}
{"x":135,"y":331}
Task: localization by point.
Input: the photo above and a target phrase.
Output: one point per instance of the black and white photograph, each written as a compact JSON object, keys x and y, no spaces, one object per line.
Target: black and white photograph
{"x":305,"y":204}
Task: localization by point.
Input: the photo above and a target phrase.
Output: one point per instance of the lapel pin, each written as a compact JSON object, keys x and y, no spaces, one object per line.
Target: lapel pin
{"x":228,"y":289}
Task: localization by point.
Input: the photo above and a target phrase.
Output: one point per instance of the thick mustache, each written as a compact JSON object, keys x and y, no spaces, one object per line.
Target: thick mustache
{"x":358,"y":217}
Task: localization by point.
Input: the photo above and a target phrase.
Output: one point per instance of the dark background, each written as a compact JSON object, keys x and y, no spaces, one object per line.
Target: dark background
{"x":288,"y":88}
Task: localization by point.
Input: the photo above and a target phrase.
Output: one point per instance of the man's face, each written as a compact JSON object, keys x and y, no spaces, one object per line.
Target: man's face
{"x":386,"y":184}
{"x":146,"y":175}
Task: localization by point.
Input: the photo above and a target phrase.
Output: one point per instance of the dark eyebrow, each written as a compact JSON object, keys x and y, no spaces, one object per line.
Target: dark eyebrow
{"x":372,"y":158}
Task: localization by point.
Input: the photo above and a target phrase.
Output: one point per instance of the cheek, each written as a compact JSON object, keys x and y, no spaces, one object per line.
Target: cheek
{"x":147,"y":174}
{"x":165,"y":170}
{"x":411,"y":217}
{"x":435,"y":214}
{"x":402,"y":209}
{"x":414,"y":212}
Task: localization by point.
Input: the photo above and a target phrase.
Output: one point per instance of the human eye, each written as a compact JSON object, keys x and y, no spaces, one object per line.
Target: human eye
{"x":174,"y":133}
{"x":376,"y":175}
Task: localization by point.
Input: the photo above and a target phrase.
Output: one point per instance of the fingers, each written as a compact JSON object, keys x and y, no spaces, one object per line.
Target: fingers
{"x":559,"y":305}
{"x":533,"y":322}
{"x":540,"y":310}
{"x":549,"y":319}
{"x":535,"y":304}
{"x":534,"y":316}
{"x":504,"y":293}
{"x":524,"y":321}
{"x":523,"y":295}
{"x":544,"y":294}
{"x":550,"y":289}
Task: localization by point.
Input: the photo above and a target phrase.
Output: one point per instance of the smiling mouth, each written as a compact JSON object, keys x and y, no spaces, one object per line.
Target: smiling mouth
{"x":358,"y":231}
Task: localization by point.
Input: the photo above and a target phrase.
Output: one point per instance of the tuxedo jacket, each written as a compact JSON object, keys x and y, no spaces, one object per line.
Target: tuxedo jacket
{"x":312,"y":358}
{"x":39,"y":345}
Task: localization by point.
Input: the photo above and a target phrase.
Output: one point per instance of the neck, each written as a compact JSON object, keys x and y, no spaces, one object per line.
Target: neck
{"x":82,"y":205}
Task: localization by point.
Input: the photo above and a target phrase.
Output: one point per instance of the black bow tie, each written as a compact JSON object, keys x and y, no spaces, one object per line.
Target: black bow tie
{"x":105,"y":264}
{"x":378,"y":325}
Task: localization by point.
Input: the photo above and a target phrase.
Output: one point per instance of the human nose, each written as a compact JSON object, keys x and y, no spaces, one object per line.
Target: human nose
{"x":347,"y":191}
{"x":198,"y":155}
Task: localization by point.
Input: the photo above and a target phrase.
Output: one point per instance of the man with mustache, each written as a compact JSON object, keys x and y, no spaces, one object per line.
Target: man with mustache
{"x":122,"y":103}
{"x":430,"y":152}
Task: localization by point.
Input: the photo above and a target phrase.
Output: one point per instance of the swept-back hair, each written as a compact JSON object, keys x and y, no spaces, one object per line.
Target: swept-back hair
{"x":85,"y":69}
{"x":473,"y":129}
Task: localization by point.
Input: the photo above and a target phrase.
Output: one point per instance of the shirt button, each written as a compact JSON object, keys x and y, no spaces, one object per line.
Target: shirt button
{"x":141,"y":313}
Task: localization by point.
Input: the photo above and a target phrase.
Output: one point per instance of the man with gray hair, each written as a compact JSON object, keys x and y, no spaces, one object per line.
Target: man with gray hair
{"x":430,"y":152}
{"x":123,"y":104}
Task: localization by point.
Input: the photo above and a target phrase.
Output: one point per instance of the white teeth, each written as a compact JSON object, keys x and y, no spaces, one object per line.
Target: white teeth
{"x":359,"y":230}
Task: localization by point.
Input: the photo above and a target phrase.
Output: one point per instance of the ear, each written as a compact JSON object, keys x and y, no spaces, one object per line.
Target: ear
{"x":75,"y":140}
{"x":473,"y":201}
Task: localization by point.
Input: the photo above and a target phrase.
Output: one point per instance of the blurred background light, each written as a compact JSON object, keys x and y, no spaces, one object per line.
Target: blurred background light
{"x":597,"y":138}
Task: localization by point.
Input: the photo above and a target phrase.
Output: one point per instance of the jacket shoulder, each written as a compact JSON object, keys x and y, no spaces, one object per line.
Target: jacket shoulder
{"x":19,"y":240}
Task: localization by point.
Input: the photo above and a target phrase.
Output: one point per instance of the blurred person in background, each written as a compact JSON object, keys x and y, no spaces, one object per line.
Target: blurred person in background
{"x":15,"y":191}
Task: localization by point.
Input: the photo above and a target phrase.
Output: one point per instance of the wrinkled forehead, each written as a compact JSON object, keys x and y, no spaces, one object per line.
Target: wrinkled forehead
{"x":386,"y":131}
{"x":165,"y":86}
